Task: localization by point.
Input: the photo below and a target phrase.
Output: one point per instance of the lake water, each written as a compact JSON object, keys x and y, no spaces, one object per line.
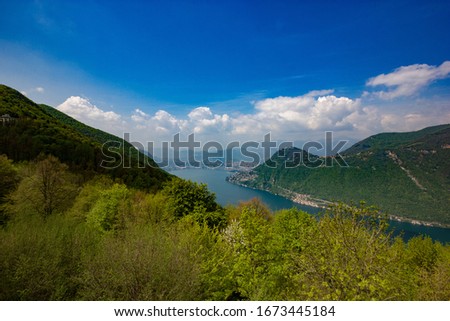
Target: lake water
{"x":227,"y":193}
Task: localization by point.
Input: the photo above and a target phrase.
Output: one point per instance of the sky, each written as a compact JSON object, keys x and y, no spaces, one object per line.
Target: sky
{"x":233,"y":70}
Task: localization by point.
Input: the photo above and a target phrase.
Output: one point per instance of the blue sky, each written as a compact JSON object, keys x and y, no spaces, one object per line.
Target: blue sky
{"x":233,"y":69}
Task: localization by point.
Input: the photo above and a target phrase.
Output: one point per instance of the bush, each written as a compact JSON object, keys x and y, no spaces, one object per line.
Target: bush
{"x":189,"y":198}
{"x":110,"y":210}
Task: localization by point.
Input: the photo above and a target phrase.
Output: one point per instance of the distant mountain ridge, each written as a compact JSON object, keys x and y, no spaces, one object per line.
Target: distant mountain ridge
{"x":37,"y":129}
{"x":405,"y":174}
{"x":396,"y":140}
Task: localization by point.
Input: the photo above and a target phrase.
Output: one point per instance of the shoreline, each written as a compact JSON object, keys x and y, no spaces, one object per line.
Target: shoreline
{"x":308,"y":200}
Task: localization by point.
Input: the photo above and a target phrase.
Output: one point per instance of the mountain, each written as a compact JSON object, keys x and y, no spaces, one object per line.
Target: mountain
{"x":406,"y":175}
{"x":32,"y":129}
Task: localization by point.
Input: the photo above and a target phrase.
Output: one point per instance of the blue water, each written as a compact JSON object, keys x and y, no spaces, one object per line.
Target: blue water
{"x":227,"y":193}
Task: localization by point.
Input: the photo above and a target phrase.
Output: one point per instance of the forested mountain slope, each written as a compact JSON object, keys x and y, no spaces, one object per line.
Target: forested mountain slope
{"x":39,"y":129}
{"x":405,"y":174}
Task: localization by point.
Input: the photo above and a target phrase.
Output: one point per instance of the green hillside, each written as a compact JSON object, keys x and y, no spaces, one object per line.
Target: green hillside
{"x":37,"y":129}
{"x":430,"y":135}
{"x":405,"y":174}
{"x":70,"y":232}
{"x":96,"y":134}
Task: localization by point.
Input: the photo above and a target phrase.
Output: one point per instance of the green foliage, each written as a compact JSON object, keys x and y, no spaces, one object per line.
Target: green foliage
{"x":434,"y":282}
{"x":292,"y":227}
{"x":110,"y":242}
{"x":185,"y":197}
{"x":146,"y":263}
{"x":46,"y":188}
{"x":422,"y":253}
{"x":212,"y":219}
{"x":108,"y":212}
{"x":346,"y":255}
{"x":294,"y":232}
{"x":9,"y":178}
{"x":349,"y":259}
{"x":383,"y":169}
{"x":149,"y":208}
{"x":120,"y":237}
{"x":41,"y":260}
{"x":256,"y":205}
{"x":42,"y":129}
{"x":252,"y":255}
{"x":88,"y":196}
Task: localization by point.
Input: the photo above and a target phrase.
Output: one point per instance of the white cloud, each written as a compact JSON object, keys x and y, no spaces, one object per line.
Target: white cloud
{"x":165,"y":122}
{"x":139,"y":116}
{"x":287,"y":118}
{"x":306,"y":112}
{"x":298,"y":118}
{"x":160,"y":126}
{"x":200,"y":113}
{"x":332,"y":111}
{"x":140,"y":112}
{"x":203,"y":121}
{"x":411,"y":121}
{"x":315,"y":93}
{"x":39,"y":90}
{"x":83,"y":110}
{"x":407,"y":80}
{"x":200,"y":121}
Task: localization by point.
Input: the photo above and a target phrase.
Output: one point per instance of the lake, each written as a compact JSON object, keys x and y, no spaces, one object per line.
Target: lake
{"x":227,"y":193}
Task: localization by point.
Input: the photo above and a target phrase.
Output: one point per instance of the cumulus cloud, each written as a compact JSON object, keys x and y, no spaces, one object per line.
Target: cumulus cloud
{"x":83,"y":110}
{"x":203,"y":121}
{"x":293,"y":118}
{"x":407,"y":80}
{"x":160,"y":125}
{"x":139,"y":116}
{"x":287,"y":118}
{"x":165,"y":122}
{"x":200,"y":113}
{"x":306,"y":112}
{"x":39,"y":89}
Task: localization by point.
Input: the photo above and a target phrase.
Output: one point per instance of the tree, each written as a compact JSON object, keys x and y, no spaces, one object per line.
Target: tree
{"x":260,"y":208}
{"x":48,"y":188}
{"x":52,"y":183}
{"x":247,"y":244}
{"x":349,"y":257}
{"x":9,"y":179}
{"x":189,"y":198}
{"x":108,"y":213}
{"x":8,"y":176}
